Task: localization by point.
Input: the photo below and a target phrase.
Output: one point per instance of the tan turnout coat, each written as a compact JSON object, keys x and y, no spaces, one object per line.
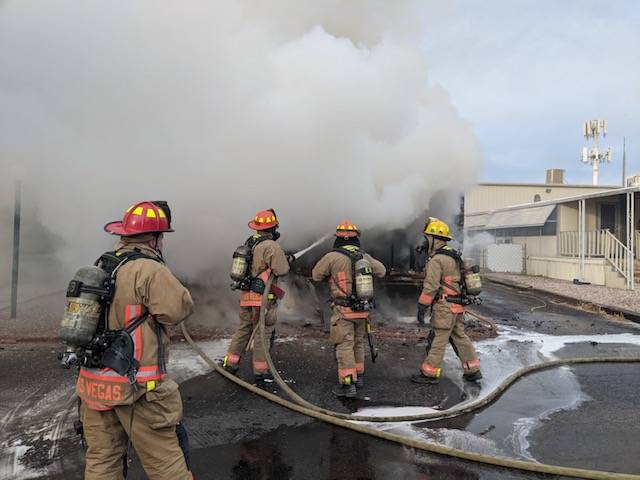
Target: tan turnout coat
{"x":338,"y":268}
{"x":142,"y":285}
{"x":442,"y":279}
{"x":268,"y":257}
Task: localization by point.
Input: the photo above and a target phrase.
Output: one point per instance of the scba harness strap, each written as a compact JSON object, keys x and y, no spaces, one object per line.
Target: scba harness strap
{"x":255,"y":284}
{"x":118,"y":346}
{"x":352,"y":301}
{"x":463,"y":298}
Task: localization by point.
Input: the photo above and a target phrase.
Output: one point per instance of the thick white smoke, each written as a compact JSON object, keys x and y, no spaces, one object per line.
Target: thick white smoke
{"x":320,"y":110}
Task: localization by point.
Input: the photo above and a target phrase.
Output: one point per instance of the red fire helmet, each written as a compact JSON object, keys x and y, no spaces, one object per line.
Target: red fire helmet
{"x":143,"y":217}
{"x":264,"y":220}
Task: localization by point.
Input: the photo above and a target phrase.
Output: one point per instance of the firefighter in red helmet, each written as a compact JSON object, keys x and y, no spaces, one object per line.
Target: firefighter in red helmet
{"x":266,"y":258}
{"x":145,"y":409}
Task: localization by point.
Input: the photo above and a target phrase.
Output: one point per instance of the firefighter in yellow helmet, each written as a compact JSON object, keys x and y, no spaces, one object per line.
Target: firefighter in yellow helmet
{"x":348,"y":322}
{"x":441,"y":290}
{"x":144,"y":407}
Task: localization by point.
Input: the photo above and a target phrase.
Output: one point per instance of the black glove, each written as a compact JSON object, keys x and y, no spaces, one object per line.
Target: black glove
{"x":290,"y":257}
{"x":423,"y":310}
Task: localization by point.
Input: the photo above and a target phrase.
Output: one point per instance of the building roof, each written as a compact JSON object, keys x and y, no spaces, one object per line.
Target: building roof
{"x":548,"y":185}
{"x":508,"y":217}
{"x":557,"y":201}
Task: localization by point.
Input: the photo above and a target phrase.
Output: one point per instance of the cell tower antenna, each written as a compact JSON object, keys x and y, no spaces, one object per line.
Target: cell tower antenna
{"x":592,"y":129}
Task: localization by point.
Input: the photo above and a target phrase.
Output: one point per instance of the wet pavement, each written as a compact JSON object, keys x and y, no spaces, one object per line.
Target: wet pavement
{"x":236,"y":435}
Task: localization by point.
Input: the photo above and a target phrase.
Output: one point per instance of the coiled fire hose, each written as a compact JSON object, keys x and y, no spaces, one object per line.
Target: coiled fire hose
{"x":351,"y":421}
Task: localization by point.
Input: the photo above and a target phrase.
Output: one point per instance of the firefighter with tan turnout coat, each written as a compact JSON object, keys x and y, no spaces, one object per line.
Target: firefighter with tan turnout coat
{"x":351,"y":302}
{"x":114,"y":329}
{"x":253,"y":262}
{"x":443,"y":293}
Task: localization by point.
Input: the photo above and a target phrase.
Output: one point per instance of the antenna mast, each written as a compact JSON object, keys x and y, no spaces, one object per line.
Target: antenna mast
{"x":593,"y":129}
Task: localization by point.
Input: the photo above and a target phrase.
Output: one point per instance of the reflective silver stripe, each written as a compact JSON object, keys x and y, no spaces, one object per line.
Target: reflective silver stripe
{"x":131,"y":312}
{"x":152,"y":373}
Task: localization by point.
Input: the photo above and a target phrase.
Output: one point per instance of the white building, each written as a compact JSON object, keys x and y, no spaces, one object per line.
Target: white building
{"x":590,"y":233}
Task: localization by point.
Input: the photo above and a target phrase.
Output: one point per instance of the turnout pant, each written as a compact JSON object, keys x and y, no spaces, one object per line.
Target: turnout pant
{"x":152,"y":431}
{"x":447,"y":327}
{"x":348,"y":336}
{"x":248,"y":321}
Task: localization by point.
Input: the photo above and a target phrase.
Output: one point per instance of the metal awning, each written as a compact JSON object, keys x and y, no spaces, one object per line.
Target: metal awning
{"x":476,"y":221}
{"x":523,"y":217}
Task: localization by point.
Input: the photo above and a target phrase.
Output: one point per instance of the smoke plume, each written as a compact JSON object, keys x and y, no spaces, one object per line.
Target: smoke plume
{"x":320,"y":110}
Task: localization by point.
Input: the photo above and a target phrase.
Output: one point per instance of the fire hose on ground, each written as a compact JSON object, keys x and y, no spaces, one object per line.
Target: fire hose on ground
{"x":351,"y":422}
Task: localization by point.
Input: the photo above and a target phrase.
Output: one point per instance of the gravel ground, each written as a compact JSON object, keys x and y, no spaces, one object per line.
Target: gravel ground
{"x":614,"y":297}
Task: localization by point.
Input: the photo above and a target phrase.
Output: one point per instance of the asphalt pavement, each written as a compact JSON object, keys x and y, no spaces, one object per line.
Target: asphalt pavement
{"x":584,"y":416}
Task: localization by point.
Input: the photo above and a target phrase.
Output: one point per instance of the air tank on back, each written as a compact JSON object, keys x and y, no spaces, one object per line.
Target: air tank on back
{"x":83,"y":311}
{"x":472,"y":278}
{"x":240,"y":265}
{"x":364,"y":279}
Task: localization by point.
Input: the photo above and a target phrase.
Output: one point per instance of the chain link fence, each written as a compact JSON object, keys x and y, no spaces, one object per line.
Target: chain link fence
{"x":500,"y":258}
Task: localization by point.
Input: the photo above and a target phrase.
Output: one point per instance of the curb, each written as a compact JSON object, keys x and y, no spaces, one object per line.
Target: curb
{"x":628,"y":314}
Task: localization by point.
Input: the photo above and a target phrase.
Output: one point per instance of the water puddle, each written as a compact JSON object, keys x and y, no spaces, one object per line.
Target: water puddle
{"x":504,"y":427}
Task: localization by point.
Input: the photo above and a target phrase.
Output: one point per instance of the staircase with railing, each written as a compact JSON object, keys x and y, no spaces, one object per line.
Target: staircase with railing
{"x":619,"y":256}
{"x":603,"y":244}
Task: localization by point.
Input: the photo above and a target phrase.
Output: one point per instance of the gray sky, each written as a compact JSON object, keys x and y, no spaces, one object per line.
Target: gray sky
{"x":528,"y":73}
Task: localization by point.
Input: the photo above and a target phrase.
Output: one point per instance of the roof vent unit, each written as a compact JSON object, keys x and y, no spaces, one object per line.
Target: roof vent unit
{"x":633,"y":181}
{"x":555,"y":176}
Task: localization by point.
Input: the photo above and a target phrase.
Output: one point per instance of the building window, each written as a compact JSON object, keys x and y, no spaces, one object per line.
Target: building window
{"x":536,"y":198}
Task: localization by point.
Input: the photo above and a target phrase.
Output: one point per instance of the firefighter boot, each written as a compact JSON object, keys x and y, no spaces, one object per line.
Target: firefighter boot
{"x":230,"y":367}
{"x":425,"y":379}
{"x":428,"y":374}
{"x":471,"y":370}
{"x":472,"y":376}
{"x":346,"y":389}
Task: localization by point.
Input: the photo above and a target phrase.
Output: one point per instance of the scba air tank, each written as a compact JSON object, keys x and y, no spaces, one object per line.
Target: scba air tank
{"x":472,"y":278}
{"x":240,"y":264}
{"x":364,"y":279}
{"x":84,"y":308}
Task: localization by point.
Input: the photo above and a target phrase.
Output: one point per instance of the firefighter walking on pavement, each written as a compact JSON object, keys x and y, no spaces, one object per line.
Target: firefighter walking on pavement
{"x":136,"y":402}
{"x":350,"y":272}
{"x":443,"y":293}
{"x":253,"y":262}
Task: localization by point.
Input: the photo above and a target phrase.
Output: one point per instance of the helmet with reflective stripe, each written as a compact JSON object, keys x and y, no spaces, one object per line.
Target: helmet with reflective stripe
{"x":437,"y":228}
{"x":143,"y":217}
{"x":347,"y":229}
{"x":264,"y":220}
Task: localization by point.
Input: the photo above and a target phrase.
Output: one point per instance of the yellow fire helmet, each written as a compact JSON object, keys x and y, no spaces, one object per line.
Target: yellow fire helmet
{"x":437,"y":228}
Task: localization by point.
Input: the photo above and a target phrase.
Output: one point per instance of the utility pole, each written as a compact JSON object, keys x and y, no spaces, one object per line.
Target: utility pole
{"x":16,"y":251}
{"x":624,"y":162}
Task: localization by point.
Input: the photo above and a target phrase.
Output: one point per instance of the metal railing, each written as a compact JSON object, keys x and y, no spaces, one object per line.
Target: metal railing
{"x":602,"y":244}
{"x":618,"y":255}
{"x":595,"y":243}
